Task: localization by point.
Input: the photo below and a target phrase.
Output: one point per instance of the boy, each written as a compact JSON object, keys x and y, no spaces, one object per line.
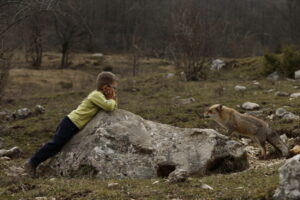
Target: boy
{"x":104,"y":98}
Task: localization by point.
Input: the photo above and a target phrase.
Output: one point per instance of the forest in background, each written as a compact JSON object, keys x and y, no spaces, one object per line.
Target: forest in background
{"x":227,"y":28}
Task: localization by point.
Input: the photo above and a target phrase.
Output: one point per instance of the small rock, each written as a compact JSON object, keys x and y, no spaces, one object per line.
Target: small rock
{"x":240,"y":88}
{"x":6,"y":115}
{"x":206,"y":187}
{"x":170,"y":75}
{"x":179,"y":175}
{"x":112,"y":185}
{"x":38,"y":109}
{"x":296,"y":87}
{"x":284,"y":138}
{"x":297,"y":75}
{"x":10,"y":153}
{"x":186,"y":101}
{"x":271,"y":117}
{"x":273,"y":77}
{"x":252,"y":150}
{"x":52,"y":179}
{"x":250,"y":106}
{"x":295,"y":95}
{"x":155,"y":182}
{"x":5,"y":158}
{"x":255,"y":83}
{"x":270,"y":90}
{"x":282,"y":94}
{"x":280,"y":112}
{"x":295,"y":150}
{"x":41,"y":198}
{"x":290,"y":117}
{"x":217,"y":64}
{"x":22,"y":113}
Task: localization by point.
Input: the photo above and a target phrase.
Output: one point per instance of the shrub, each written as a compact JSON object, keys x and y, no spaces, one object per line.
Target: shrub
{"x":285,"y":64}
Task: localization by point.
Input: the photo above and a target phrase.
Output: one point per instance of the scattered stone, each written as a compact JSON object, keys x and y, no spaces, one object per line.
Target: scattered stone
{"x":155,"y":182}
{"x":14,"y":171}
{"x":41,"y":198}
{"x":297,"y":75}
{"x":282,"y":94}
{"x":271,"y":117}
{"x":22,"y":113}
{"x":295,"y":150}
{"x":206,"y":187}
{"x":186,"y":101}
{"x":11,"y":152}
{"x":295,"y":95}
{"x":5,"y":158}
{"x":273,"y":77}
{"x":38,"y":109}
{"x":170,"y":75}
{"x":296,"y":87}
{"x":217,"y":64}
{"x":177,"y":176}
{"x":52,"y":179}
{"x":284,"y":138}
{"x":250,"y":106}
{"x":240,"y":88}
{"x":289,"y":183}
{"x":112,"y":185}
{"x":132,"y":147}
{"x":255,"y":82}
{"x":290,"y":117}
{"x":270,"y":90}
{"x":97,"y":56}
{"x":280,"y":112}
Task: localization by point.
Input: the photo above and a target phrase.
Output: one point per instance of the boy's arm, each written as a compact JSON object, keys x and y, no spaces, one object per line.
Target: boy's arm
{"x":106,"y":104}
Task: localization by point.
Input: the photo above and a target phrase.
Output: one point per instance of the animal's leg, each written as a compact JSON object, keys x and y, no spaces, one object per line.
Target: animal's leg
{"x":262,"y":146}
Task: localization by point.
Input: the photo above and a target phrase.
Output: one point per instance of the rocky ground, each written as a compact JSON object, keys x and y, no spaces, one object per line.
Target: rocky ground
{"x":156,"y":94}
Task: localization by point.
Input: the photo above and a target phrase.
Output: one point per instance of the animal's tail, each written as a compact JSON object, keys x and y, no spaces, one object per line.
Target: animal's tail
{"x":274,"y":139}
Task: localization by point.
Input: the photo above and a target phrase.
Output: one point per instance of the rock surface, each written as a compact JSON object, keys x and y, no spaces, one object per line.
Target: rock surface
{"x":273,"y":77}
{"x":240,"y":88}
{"x":250,"y":106}
{"x":295,"y":95}
{"x":121,"y":144}
{"x":10,"y":152}
{"x":289,"y":183}
{"x":217,"y":64}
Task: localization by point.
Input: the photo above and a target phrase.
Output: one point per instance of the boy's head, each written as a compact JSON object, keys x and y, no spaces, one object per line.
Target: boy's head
{"x":106,"y":78}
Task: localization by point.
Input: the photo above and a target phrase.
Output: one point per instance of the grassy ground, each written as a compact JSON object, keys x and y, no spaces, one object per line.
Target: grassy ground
{"x":154,"y":97}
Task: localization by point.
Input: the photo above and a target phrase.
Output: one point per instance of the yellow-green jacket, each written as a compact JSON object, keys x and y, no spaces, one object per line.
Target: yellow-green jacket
{"x":89,"y":107}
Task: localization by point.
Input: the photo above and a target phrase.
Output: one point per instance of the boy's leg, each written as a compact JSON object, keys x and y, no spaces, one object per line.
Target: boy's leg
{"x":64,"y":132}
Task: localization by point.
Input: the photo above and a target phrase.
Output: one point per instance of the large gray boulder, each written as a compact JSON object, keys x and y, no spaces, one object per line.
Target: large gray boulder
{"x":121,"y":144}
{"x":289,"y":183}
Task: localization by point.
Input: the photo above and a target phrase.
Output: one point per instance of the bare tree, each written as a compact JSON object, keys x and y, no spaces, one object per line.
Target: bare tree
{"x":70,"y":27}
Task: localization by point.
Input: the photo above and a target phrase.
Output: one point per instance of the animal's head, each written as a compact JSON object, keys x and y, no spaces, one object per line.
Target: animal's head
{"x":214,"y":111}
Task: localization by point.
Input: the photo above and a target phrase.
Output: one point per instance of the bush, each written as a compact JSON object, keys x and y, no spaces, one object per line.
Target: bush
{"x":285,"y":64}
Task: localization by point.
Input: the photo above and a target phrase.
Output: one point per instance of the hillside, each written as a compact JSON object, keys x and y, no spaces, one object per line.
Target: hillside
{"x":154,"y":96}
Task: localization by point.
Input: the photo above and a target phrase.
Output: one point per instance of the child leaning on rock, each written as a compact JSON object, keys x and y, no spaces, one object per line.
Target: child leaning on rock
{"x":103,"y":98}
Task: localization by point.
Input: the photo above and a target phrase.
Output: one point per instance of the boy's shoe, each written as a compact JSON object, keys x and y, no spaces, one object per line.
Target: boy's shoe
{"x":30,"y":170}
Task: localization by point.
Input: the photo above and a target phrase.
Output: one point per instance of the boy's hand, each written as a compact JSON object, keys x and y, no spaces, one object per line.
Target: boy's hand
{"x":109,"y":92}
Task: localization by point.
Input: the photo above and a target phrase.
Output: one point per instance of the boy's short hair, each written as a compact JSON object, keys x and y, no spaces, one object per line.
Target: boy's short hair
{"x":105,"y":78}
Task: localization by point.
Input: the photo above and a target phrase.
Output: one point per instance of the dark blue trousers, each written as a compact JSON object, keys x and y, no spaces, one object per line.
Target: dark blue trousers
{"x":64,"y":132}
